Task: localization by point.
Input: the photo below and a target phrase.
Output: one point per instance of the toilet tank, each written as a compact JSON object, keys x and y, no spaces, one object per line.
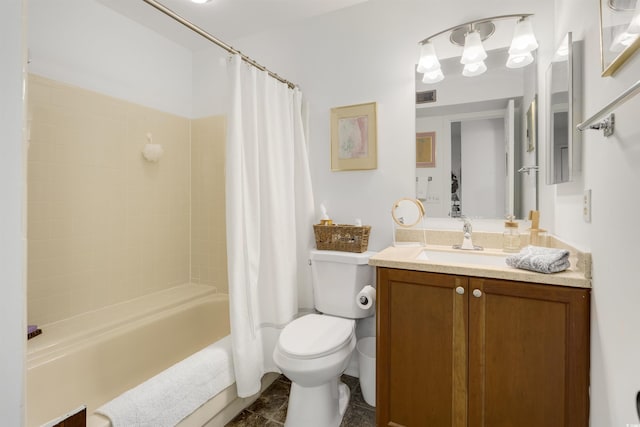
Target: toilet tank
{"x":337,"y":277}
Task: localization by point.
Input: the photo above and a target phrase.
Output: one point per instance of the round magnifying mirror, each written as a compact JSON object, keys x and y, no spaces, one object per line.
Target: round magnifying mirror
{"x":407,"y":212}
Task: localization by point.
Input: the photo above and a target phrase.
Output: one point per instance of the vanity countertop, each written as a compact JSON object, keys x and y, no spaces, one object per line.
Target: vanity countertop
{"x":406,"y":257}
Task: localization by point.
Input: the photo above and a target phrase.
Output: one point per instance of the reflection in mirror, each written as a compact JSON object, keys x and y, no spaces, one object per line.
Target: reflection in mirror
{"x":485,"y":165}
{"x":619,"y":33}
{"x":564,"y":96}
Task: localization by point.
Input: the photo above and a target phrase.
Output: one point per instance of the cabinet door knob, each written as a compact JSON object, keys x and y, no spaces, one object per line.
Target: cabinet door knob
{"x":477,"y":293}
{"x":460,"y":290}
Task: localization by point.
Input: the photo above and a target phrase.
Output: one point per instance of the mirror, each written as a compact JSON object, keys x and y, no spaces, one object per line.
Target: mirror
{"x":407,"y":212}
{"x":485,"y":128}
{"x":564,"y":100}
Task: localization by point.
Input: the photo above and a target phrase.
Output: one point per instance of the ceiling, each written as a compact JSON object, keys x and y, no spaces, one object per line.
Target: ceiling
{"x":226,"y":20}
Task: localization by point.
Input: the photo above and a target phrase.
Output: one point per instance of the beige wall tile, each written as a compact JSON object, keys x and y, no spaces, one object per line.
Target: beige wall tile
{"x":103,"y":224}
{"x":208,"y":233}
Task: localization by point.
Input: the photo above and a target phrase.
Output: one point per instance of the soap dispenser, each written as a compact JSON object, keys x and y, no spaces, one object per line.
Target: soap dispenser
{"x":511,"y":235}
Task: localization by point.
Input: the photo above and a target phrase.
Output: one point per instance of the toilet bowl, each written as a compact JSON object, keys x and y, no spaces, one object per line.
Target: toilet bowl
{"x":312,"y":352}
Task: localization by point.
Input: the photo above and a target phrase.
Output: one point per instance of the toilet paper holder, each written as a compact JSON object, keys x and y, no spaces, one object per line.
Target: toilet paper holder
{"x":366,"y":297}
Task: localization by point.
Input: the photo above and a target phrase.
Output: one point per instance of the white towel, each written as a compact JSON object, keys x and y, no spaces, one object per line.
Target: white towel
{"x":167,"y":398}
{"x":542,"y":260}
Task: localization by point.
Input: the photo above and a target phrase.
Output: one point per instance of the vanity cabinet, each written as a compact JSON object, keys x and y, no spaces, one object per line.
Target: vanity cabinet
{"x":465,"y":351}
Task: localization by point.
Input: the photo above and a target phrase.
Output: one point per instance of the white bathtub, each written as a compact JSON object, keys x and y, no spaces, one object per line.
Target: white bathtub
{"x":92,"y":358}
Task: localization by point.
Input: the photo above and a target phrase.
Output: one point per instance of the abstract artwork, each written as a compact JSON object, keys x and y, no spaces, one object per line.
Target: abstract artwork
{"x":353,"y":137}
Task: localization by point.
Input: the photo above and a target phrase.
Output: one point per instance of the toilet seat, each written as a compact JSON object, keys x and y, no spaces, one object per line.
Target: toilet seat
{"x":315,"y":335}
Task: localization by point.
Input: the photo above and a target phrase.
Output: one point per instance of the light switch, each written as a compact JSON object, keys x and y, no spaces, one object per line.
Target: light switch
{"x":586,"y":205}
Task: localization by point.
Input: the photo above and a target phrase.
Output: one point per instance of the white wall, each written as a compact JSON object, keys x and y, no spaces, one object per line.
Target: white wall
{"x":12,"y":232}
{"x":209,"y":82}
{"x":361,"y":54}
{"x":83,"y":43}
{"x":611,"y":168}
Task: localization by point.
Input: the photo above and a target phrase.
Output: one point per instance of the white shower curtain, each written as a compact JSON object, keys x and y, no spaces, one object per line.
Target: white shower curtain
{"x":269,"y":208}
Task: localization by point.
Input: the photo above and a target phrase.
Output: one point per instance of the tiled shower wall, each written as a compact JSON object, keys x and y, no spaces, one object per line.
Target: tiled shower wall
{"x":105,"y":225}
{"x":208,"y":232}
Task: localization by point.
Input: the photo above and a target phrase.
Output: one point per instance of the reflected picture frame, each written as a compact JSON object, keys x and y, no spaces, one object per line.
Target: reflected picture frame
{"x":354,"y":137}
{"x":616,"y":47}
{"x":425,"y":149}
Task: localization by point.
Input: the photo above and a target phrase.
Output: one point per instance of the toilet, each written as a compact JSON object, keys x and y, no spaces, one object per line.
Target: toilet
{"x":315,"y":349}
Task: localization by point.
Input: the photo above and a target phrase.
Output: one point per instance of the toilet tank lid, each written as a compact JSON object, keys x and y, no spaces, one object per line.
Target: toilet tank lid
{"x":343,"y":257}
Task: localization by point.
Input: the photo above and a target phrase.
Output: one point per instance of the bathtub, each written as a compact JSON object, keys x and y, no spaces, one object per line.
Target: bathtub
{"x":92,"y":358}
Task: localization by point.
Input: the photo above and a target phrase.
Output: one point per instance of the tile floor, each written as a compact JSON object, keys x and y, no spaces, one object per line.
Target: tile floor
{"x":270,"y":410}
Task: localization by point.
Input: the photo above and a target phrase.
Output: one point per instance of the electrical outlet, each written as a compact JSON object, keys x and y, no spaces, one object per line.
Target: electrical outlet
{"x":433,"y":199}
{"x":586,"y":205}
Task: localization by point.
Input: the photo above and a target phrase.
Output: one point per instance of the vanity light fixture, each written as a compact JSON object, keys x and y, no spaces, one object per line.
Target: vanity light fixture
{"x":471,"y":35}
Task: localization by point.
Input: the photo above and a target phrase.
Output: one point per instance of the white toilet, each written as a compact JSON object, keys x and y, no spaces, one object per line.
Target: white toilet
{"x":315,"y":349}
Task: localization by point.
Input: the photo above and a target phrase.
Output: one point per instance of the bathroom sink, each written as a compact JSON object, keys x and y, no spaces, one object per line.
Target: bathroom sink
{"x":463,"y":257}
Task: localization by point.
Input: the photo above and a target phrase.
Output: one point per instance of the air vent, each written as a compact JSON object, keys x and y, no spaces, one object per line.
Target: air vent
{"x":425,"y":97}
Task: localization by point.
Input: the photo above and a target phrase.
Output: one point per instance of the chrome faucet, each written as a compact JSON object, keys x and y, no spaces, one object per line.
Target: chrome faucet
{"x":467,"y":243}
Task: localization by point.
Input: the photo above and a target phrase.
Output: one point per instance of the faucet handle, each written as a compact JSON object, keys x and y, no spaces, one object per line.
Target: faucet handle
{"x":466,"y":228}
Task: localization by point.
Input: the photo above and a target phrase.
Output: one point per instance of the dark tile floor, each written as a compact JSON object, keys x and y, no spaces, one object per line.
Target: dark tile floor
{"x":270,"y":410}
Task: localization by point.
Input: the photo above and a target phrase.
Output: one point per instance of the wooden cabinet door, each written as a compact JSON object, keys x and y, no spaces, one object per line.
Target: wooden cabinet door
{"x":422,"y":349}
{"x":528,"y":355}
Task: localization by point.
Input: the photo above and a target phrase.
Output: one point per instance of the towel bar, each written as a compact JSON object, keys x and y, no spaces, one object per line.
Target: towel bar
{"x":608,"y":123}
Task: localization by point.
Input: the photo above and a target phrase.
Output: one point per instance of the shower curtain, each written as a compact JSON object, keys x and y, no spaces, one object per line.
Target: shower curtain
{"x":269,"y":217}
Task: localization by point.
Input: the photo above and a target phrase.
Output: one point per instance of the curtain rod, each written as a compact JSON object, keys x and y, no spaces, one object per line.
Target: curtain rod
{"x":170,"y":13}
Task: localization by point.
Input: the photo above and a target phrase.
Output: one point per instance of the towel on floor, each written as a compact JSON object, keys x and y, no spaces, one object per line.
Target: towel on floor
{"x":175,"y":393}
{"x":542,"y":260}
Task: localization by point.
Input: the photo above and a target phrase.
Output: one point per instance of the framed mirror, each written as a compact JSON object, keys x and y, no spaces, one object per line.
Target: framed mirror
{"x":486,"y":156}
{"x":564,"y":98}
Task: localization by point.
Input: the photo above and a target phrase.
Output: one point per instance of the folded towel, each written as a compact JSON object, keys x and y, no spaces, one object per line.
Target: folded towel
{"x":173,"y":394}
{"x":542,"y":260}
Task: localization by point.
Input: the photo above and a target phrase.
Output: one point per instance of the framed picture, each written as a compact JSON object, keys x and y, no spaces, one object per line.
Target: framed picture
{"x":619,"y":33}
{"x":426,"y":150}
{"x":354,"y":137}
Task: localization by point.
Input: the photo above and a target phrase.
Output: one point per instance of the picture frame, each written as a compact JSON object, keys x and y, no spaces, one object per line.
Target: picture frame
{"x":425,"y":149}
{"x":354,"y":137}
{"x":616,"y":44}
{"x":532,"y":126}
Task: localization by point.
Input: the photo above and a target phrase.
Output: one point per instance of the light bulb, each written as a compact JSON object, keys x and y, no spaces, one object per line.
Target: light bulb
{"x":428,"y":61}
{"x":473,"y":50}
{"x":523,"y":39}
{"x":475,"y":69}
{"x":519,"y":61}
{"x":433,"y":77}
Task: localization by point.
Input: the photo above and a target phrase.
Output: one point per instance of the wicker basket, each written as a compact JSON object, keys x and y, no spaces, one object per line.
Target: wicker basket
{"x":342,"y":237}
